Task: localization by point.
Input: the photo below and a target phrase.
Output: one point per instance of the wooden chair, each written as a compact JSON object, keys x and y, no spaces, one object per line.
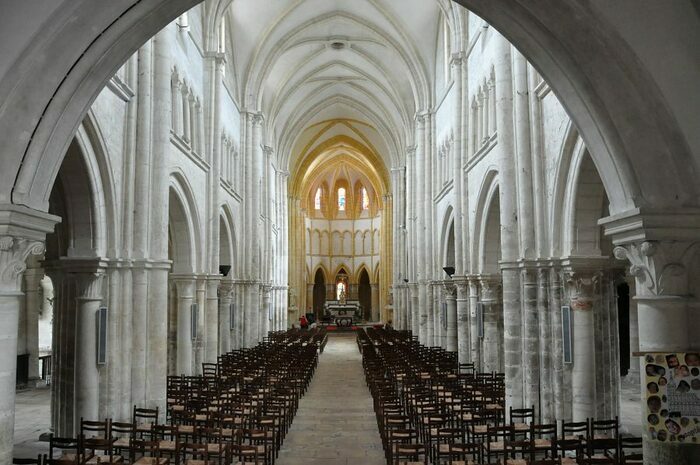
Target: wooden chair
{"x":543,"y":440}
{"x":242,"y":454}
{"x":193,"y":454}
{"x":144,"y":419}
{"x":521,"y":419}
{"x":631,"y":451}
{"x":67,"y":449}
{"x":124,"y":435}
{"x":499,"y":442}
{"x":410,"y":454}
{"x":29,"y":461}
{"x":96,"y":436}
{"x":150,"y":453}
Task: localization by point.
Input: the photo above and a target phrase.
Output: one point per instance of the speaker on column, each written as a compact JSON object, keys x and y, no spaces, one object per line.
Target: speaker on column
{"x":566,"y":334}
{"x":480,"y":319}
{"x":194,"y":311}
{"x":231,"y":316}
{"x":444,"y":315}
{"x":102,"y":336}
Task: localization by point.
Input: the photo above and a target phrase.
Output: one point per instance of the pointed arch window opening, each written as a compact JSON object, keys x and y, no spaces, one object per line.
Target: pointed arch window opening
{"x":365,"y":199}
{"x":317,"y":199}
{"x":341,"y":199}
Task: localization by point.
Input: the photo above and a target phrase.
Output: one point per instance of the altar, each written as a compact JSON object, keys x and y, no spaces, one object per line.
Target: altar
{"x":343,"y":313}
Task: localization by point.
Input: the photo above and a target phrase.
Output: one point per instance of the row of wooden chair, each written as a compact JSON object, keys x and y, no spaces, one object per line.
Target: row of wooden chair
{"x":431,"y":409}
{"x":237,"y":411}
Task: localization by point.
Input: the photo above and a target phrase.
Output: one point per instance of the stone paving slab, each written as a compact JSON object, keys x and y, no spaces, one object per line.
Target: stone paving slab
{"x":335,"y":423}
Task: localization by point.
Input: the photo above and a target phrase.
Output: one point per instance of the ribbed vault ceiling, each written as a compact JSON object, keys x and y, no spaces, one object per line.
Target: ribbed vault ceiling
{"x":306,"y":62}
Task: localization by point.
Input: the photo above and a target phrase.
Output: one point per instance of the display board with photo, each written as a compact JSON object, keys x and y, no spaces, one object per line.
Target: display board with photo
{"x":673,"y":396}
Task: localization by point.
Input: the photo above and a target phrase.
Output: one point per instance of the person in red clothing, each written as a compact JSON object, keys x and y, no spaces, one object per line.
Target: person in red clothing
{"x":304,"y":322}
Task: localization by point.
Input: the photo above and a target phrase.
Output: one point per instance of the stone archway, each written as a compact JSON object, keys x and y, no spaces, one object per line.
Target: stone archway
{"x":319,"y":293}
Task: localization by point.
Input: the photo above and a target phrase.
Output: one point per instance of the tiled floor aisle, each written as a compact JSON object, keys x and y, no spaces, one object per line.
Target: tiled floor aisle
{"x":335,"y":423}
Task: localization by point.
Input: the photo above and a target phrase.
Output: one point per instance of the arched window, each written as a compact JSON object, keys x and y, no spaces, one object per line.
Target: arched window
{"x":317,"y":199}
{"x":365,"y":199}
{"x":341,"y":199}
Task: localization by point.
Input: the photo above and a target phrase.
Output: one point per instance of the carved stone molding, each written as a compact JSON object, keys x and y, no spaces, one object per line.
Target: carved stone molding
{"x":660,"y":267}
{"x":13,"y":256}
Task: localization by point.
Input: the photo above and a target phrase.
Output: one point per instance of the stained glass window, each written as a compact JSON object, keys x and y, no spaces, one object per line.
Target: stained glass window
{"x":317,"y":199}
{"x":341,"y":199}
{"x":365,"y":199}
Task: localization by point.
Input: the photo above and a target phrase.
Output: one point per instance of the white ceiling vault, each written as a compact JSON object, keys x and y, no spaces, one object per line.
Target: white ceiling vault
{"x":303,"y":63}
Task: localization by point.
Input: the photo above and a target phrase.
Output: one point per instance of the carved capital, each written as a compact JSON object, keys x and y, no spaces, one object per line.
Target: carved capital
{"x":13,"y":256}
{"x":449,"y":289}
{"x":257,"y":119}
{"x":490,"y":288}
{"x":660,"y":268}
{"x":90,"y":286}
{"x":226,"y":288}
{"x":462,"y":284}
{"x":583,"y":286}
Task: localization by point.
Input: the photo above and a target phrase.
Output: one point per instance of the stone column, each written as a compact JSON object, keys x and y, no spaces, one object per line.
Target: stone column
{"x":430,"y":314}
{"x":238,"y":333}
{"x":211,"y":320}
{"x":185,"y":299}
{"x":415,"y":316}
{"x":158,"y":187}
{"x":439,"y":321}
{"x":463,"y":336}
{"x":510,"y":252}
{"x":13,"y":255}
{"x":633,"y":375}
{"x":265,"y":312}
{"x":583,"y":287}
{"x":531,"y":339}
{"x":667,"y":323}
{"x":561,"y":373}
{"x":87,"y":376}
{"x":547,"y":414}
{"x":475,"y":340}
{"x":199,"y":343}
{"x":491,"y":305}
{"x":450,"y":291}
{"x":32,"y":286}
{"x":375,"y":302}
{"x":226,"y":288}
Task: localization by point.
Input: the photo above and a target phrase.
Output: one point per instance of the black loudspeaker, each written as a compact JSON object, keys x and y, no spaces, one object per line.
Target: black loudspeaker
{"x":480,"y":319}
{"x":444,"y":316}
{"x":194,"y":313}
{"x":101,"y":315}
{"x":449,"y":270}
{"x":224,"y":269}
{"x":566,"y":334}
{"x":231,"y":316}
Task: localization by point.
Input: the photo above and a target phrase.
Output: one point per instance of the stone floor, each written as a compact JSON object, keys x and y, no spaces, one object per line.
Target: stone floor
{"x":32,"y":419}
{"x":335,"y":423}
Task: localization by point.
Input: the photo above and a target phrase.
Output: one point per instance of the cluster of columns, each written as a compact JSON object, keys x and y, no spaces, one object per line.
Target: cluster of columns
{"x":159,"y":322}
{"x":512,"y":321}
